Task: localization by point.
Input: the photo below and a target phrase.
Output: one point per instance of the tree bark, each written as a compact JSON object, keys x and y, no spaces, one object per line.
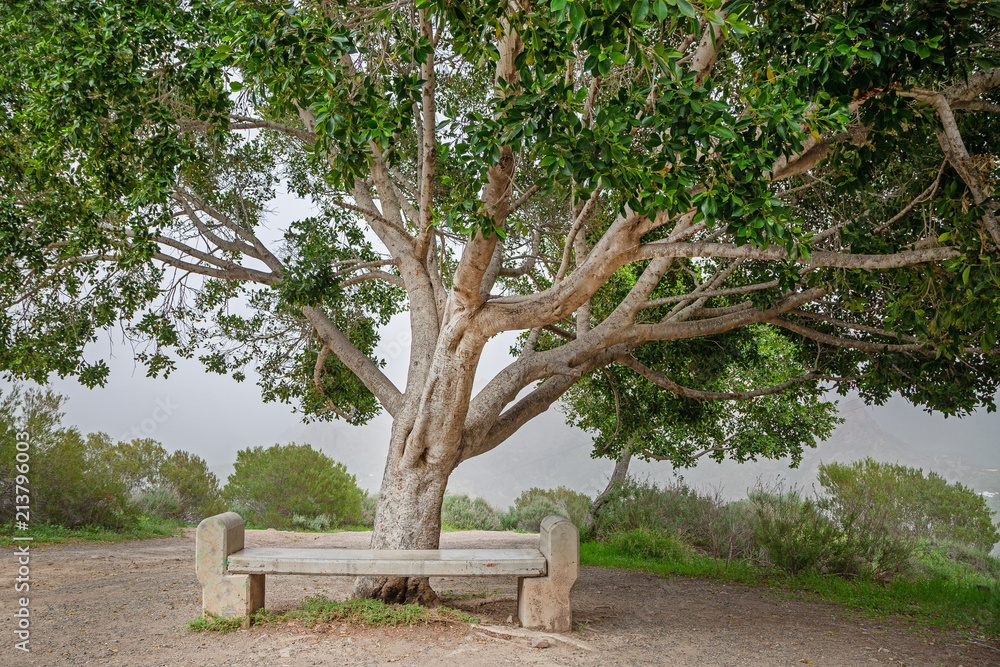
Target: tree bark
{"x":408,"y":516}
{"x":619,"y":475}
{"x":425,"y":447}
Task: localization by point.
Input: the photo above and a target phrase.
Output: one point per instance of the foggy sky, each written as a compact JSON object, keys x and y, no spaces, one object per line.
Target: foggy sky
{"x":214,"y":416}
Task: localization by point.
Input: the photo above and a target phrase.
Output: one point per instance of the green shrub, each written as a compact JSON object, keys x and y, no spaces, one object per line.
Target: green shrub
{"x":197,"y":489}
{"x":510,"y":518}
{"x":270,"y":486}
{"x":368,"y":504}
{"x":722,"y":530}
{"x":907,"y":502}
{"x":136,"y":463}
{"x":70,"y":485}
{"x":650,"y":544}
{"x":575,"y":504}
{"x":72,"y":489}
{"x":464,"y":513}
{"x":159,"y":501}
{"x":794,"y":534}
{"x":531,"y":515}
{"x":316,"y":523}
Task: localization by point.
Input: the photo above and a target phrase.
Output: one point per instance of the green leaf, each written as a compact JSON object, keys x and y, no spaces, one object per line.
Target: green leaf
{"x":577,"y":15}
{"x":661,"y":10}
{"x":639,"y":10}
{"x":558,"y":5}
{"x":686,"y":8}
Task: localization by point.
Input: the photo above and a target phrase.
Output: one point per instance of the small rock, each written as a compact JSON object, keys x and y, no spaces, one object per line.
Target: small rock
{"x":541,"y":643}
{"x":510,"y":619}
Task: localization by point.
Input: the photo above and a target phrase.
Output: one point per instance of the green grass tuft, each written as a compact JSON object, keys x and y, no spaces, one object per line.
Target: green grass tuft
{"x":145,"y":528}
{"x":212,"y":623}
{"x":953,"y":598}
{"x":319,"y":609}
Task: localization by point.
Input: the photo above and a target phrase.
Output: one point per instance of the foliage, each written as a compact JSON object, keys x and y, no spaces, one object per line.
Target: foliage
{"x":649,"y":544}
{"x":573,"y":503}
{"x":196,"y":487}
{"x":137,"y":463}
{"x":624,"y":410}
{"x":368,"y":505}
{"x":316,"y":523}
{"x":159,"y":501}
{"x":530,"y":517}
{"x":723,"y":200}
{"x":210,"y":622}
{"x":271,"y":485}
{"x":69,"y":485}
{"x":465,"y":513}
{"x":144,"y":528}
{"x":320,"y":609}
{"x":917,"y":505}
{"x":371,"y":613}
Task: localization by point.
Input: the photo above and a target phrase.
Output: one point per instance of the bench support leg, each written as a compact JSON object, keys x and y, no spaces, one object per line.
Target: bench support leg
{"x":543,"y":602}
{"x":222,"y":593}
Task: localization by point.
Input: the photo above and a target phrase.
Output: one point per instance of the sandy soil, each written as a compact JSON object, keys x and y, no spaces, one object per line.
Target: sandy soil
{"x":128,"y":604}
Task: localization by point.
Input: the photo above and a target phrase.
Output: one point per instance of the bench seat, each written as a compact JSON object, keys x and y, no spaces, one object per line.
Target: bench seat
{"x":374,"y":562}
{"x":233,"y":577}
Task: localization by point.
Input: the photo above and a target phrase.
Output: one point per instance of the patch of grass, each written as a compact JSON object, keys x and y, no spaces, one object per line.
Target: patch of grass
{"x":372,"y":613}
{"x":951,"y":601}
{"x":694,"y":564}
{"x":452,"y":614}
{"x":212,"y":623}
{"x":319,"y":609}
{"x":145,"y":528}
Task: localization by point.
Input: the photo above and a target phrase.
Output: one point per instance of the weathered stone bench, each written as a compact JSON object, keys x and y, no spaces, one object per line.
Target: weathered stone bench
{"x":232,"y":577}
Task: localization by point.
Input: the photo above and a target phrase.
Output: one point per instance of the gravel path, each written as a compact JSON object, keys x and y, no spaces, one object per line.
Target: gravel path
{"x":128,"y":604}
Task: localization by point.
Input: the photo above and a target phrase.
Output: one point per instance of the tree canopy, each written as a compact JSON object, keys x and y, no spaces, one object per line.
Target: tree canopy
{"x":633,"y":185}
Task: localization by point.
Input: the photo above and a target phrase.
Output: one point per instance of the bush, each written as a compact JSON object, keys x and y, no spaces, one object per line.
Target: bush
{"x":316,"y":523}
{"x":159,"y":501}
{"x":368,"y":504}
{"x":650,"y":544}
{"x":466,"y":513}
{"x":722,"y":530}
{"x":530,"y":517}
{"x":575,"y":504}
{"x":272,"y":485}
{"x":907,"y":503}
{"x":510,"y":518}
{"x":197,"y":489}
{"x":136,"y":463}
{"x":72,"y":489}
{"x":796,"y":535}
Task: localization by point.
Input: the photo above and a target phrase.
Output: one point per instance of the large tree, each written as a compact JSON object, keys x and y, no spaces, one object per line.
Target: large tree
{"x":606,"y":177}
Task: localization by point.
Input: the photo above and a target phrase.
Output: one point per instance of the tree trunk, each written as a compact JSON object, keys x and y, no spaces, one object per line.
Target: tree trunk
{"x":619,"y":475}
{"x":408,"y":516}
{"x":425,"y":446}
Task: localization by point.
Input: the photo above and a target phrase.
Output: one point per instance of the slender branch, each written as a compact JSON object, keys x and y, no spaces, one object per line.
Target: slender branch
{"x":374,"y":275}
{"x":661,"y":379}
{"x":774,"y":253}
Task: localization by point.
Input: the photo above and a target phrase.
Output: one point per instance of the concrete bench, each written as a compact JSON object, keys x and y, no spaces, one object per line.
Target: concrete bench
{"x":232,"y":577}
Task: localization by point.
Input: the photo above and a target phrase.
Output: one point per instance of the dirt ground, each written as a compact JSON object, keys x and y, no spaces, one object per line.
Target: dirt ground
{"x":129,"y":603}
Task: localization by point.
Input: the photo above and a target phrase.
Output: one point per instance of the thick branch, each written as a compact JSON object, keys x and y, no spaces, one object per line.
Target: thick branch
{"x":363,"y":367}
